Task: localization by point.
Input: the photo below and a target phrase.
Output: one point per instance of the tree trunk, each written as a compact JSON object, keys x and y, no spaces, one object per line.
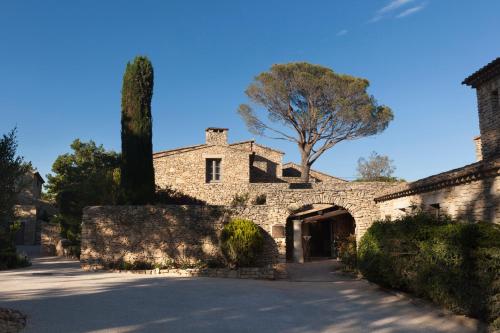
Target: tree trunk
{"x":306,"y":167}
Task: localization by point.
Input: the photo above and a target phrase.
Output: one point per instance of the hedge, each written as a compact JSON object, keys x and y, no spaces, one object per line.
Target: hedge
{"x":454,"y":264}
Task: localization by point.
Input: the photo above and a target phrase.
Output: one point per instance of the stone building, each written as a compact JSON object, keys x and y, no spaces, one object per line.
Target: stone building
{"x":299,"y":221}
{"x":471,"y":192}
{"x":30,"y":210}
{"x":217,"y":171}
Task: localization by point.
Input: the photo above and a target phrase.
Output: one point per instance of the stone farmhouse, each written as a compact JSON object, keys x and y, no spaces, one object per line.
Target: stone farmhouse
{"x":298,"y":220}
{"x":217,"y":171}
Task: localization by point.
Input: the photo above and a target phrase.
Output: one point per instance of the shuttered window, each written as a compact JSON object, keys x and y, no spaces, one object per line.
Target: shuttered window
{"x":213,"y":170}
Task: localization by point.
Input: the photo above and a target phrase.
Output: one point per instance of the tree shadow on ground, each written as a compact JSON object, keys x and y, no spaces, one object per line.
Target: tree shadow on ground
{"x":98,"y":302}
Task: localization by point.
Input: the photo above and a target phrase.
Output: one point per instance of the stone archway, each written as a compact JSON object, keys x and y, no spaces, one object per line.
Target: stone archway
{"x":317,"y":232}
{"x":362,"y":210}
{"x":356,"y":198}
{"x":359,"y":206}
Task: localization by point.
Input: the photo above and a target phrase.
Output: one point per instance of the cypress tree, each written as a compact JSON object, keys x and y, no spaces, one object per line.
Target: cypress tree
{"x":137,"y":173}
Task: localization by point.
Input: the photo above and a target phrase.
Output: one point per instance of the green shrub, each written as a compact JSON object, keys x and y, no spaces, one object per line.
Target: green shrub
{"x":260,"y":200}
{"x":130,"y":266}
{"x":456,"y":265}
{"x":348,"y":253}
{"x":242,"y":242}
{"x":240,"y":200}
{"x":9,"y":260}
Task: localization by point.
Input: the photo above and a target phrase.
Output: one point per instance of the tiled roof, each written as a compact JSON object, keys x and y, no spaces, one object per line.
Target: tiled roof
{"x":177,"y":150}
{"x":190,"y":148}
{"x":484,"y":74}
{"x":468,"y":173}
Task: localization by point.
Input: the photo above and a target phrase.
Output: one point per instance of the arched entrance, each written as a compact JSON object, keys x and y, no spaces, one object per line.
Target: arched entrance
{"x":317,"y":232}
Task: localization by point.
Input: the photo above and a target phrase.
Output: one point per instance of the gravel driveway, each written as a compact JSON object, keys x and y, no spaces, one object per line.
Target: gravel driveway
{"x":58,"y":297}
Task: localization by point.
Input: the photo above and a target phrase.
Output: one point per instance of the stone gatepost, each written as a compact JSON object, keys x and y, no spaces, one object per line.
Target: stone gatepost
{"x":298,"y":252}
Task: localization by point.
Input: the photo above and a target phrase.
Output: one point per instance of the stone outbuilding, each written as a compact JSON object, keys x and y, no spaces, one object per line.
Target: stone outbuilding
{"x":471,"y":192}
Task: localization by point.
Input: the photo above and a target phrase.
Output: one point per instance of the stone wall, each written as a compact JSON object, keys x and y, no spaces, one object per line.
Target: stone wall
{"x":266,"y":164}
{"x":242,"y":164}
{"x":158,"y":234}
{"x":185,"y":172}
{"x":50,"y":237}
{"x":256,"y":273}
{"x":471,"y":193}
{"x":489,"y":117}
{"x":356,"y":197}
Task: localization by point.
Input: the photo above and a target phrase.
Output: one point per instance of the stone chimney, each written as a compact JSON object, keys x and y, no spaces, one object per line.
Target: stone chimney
{"x":486,"y":81}
{"x":216,"y":136}
{"x":479,"y":151}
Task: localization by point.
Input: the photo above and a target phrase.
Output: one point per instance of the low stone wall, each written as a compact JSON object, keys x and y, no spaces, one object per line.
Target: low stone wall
{"x":160,"y":234}
{"x":50,"y":236}
{"x":471,"y":192}
{"x":258,"y":273}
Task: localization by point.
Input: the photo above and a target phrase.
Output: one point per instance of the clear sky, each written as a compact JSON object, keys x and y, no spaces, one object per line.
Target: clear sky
{"x":62,"y":62}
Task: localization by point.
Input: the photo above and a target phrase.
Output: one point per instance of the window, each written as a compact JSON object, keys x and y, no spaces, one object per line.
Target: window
{"x":213,"y":170}
{"x":436,"y":208}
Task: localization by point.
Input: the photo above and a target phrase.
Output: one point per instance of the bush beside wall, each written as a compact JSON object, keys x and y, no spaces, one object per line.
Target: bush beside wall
{"x":456,"y":265}
{"x":242,"y":242}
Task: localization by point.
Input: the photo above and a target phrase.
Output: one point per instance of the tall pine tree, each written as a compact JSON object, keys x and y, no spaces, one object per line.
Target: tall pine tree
{"x":137,"y":173}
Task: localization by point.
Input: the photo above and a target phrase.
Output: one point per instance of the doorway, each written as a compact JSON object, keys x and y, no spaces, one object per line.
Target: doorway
{"x":324,"y":229}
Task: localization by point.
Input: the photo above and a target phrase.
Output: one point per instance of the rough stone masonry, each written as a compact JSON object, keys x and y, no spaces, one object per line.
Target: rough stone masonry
{"x":159,"y":233}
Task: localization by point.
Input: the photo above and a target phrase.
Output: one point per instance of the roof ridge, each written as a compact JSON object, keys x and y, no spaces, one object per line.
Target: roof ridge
{"x":276,"y":150}
{"x":483,"y":73}
{"x":314,"y":170}
{"x":241,"y":142}
{"x":180,"y":148}
{"x":445,"y":177}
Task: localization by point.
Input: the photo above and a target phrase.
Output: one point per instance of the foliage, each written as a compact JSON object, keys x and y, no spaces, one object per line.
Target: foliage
{"x":240,"y":200}
{"x":260,"y":199}
{"x":169,"y":196}
{"x":86,"y":177}
{"x":242,"y":242}
{"x":348,"y":253}
{"x":318,"y":106}
{"x":376,"y":168}
{"x":144,"y":265}
{"x":11,"y":259}
{"x":453,"y":264}
{"x":12,"y":171}
{"x":137,"y":173}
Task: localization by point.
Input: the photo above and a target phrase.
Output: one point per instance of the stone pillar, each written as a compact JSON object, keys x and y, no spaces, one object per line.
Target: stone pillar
{"x":298,"y":252}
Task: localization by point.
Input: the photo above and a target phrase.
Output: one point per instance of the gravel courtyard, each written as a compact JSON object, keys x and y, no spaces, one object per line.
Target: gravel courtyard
{"x":58,"y":297}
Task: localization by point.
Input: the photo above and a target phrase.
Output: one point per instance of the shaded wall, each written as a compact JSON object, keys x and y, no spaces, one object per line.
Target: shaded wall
{"x":471,"y":193}
{"x":157,"y":234}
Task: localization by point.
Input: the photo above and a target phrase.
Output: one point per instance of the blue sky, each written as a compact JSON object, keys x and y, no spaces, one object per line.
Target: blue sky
{"x":62,"y":62}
